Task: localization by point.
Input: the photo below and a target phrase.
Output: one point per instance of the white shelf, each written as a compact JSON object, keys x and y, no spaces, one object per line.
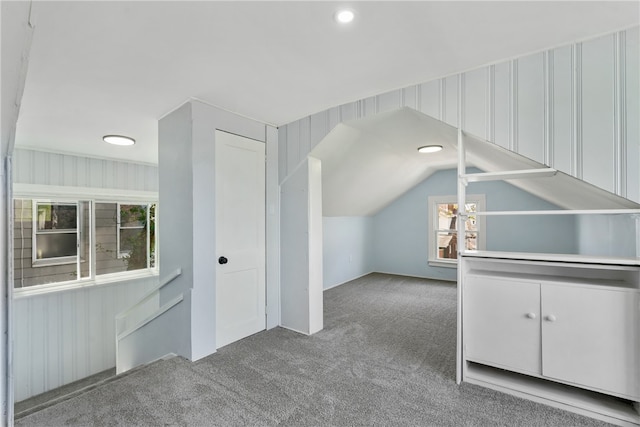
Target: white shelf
{"x":589,"y":403}
{"x":504,"y":175}
{"x":562,"y":212}
{"x":581,"y":259}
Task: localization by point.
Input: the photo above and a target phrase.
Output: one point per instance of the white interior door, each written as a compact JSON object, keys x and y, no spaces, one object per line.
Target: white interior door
{"x":240,"y":237}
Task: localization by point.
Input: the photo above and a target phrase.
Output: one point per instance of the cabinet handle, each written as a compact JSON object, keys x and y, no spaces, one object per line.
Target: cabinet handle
{"x":530,"y":315}
{"x":550,"y":318}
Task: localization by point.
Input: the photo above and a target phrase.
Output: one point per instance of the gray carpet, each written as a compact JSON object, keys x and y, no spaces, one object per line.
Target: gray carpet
{"x":385,"y":357}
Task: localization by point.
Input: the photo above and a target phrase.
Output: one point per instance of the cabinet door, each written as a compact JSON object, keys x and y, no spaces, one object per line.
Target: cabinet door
{"x":591,"y":337}
{"x":501,"y":325}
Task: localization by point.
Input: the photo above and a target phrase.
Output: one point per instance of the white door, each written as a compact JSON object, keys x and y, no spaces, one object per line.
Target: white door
{"x":240,"y":237}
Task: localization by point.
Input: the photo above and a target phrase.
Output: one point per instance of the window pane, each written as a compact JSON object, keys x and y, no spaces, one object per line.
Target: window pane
{"x":107,"y":260}
{"x":56,"y":245}
{"x":133,"y":243}
{"x":85,"y":230}
{"x":447,"y":245}
{"x":472,"y":241}
{"x":52,"y":216}
{"x":133,"y":215}
{"x":152,"y":235}
{"x":447,"y":216}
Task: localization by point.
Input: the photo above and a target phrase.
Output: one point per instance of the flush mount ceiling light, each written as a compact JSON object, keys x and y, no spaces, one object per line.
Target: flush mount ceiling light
{"x":118,"y":140}
{"x":344,"y":16}
{"x":430,"y":149}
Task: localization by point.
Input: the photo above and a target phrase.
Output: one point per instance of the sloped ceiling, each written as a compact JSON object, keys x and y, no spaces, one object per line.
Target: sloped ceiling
{"x":103,"y":67}
{"x":368,"y":163}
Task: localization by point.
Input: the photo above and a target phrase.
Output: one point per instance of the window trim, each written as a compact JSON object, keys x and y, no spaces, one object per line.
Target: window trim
{"x":433,"y":202}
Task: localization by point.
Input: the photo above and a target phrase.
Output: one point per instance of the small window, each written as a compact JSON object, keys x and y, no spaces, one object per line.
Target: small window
{"x":51,"y":241}
{"x":56,"y":233}
{"x":443,"y":216}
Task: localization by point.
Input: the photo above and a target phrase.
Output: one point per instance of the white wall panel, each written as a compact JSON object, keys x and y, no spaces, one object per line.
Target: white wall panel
{"x":334,"y":117}
{"x":476,"y":102}
{"x":631,"y":128}
{"x":369,"y":107}
{"x":350,"y":111}
{"x":450,"y":100}
{"x":282,"y":153}
{"x":410,"y":97}
{"x":37,"y":167}
{"x":61,"y":337}
{"x":293,"y":145}
{"x":319,"y":127}
{"x":389,"y":101}
{"x":294,"y":262}
{"x":430,"y":99}
{"x":501,"y":104}
{"x":530,"y":107}
{"x":305,"y":137}
{"x":273,"y":229}
{"x":561,"y":104}
{"x":597,"y":112}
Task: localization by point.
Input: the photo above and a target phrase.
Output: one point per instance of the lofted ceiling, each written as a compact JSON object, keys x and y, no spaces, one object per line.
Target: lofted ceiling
{"x":98,"y":68}
{"x":368,"y":163}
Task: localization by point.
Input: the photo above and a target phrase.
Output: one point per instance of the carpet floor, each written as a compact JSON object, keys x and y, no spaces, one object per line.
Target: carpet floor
{"x":386,"y":356}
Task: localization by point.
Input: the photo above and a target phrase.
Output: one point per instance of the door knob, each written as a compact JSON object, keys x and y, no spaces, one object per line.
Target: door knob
{"x":530,"y":315}
{"x":222,"y":260}
{"x":550,"y":318}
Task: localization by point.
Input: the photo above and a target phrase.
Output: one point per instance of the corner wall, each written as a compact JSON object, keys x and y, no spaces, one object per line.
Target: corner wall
{"x":347,"y":249}
{"x":401,"y":230}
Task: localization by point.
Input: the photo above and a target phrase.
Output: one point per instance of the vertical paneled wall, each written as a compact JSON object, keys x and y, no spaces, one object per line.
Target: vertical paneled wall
{"x":38,"y":167}
{"x":64,"y":336}
{"x":574,"y":108}
{"x":61,"y":337}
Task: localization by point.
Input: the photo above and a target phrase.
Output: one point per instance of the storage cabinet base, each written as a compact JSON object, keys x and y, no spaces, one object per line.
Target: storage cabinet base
{"x":591,"y":404}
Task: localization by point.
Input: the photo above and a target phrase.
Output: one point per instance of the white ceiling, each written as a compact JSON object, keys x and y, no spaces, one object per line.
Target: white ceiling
{"x":100,"y":68}
{"x":369,"y":163}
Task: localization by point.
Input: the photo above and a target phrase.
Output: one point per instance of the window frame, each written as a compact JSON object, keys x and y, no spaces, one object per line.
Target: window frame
{"x":80,"y":195}
{"x":433,"y":202}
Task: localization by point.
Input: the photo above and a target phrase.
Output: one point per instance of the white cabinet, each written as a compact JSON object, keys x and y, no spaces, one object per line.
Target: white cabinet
{"x":591,"y":337}
{"x":561,"y":332}
{"x":501,"y":323}
{"x":569,"y":333}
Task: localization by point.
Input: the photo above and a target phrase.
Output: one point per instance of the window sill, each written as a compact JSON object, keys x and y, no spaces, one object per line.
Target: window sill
{"x":442,"y":263}
{"x":103,"y":280}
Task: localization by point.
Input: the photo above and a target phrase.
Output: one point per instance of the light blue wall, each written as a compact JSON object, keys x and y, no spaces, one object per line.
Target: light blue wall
{"x":347,"y":248}
{"x":401,"y":232}
{"x":608,"y":235}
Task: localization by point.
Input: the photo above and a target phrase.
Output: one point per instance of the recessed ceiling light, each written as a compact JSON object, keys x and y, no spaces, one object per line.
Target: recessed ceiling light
{"x":344,"y":16}
{"x":430,"y":149}
{"x":118,"y":140}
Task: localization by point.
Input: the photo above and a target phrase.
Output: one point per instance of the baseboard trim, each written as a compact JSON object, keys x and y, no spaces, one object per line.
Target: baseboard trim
{"x":294,"y":330}
{"x":416,"y":277}
{"x":347,"y":281}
